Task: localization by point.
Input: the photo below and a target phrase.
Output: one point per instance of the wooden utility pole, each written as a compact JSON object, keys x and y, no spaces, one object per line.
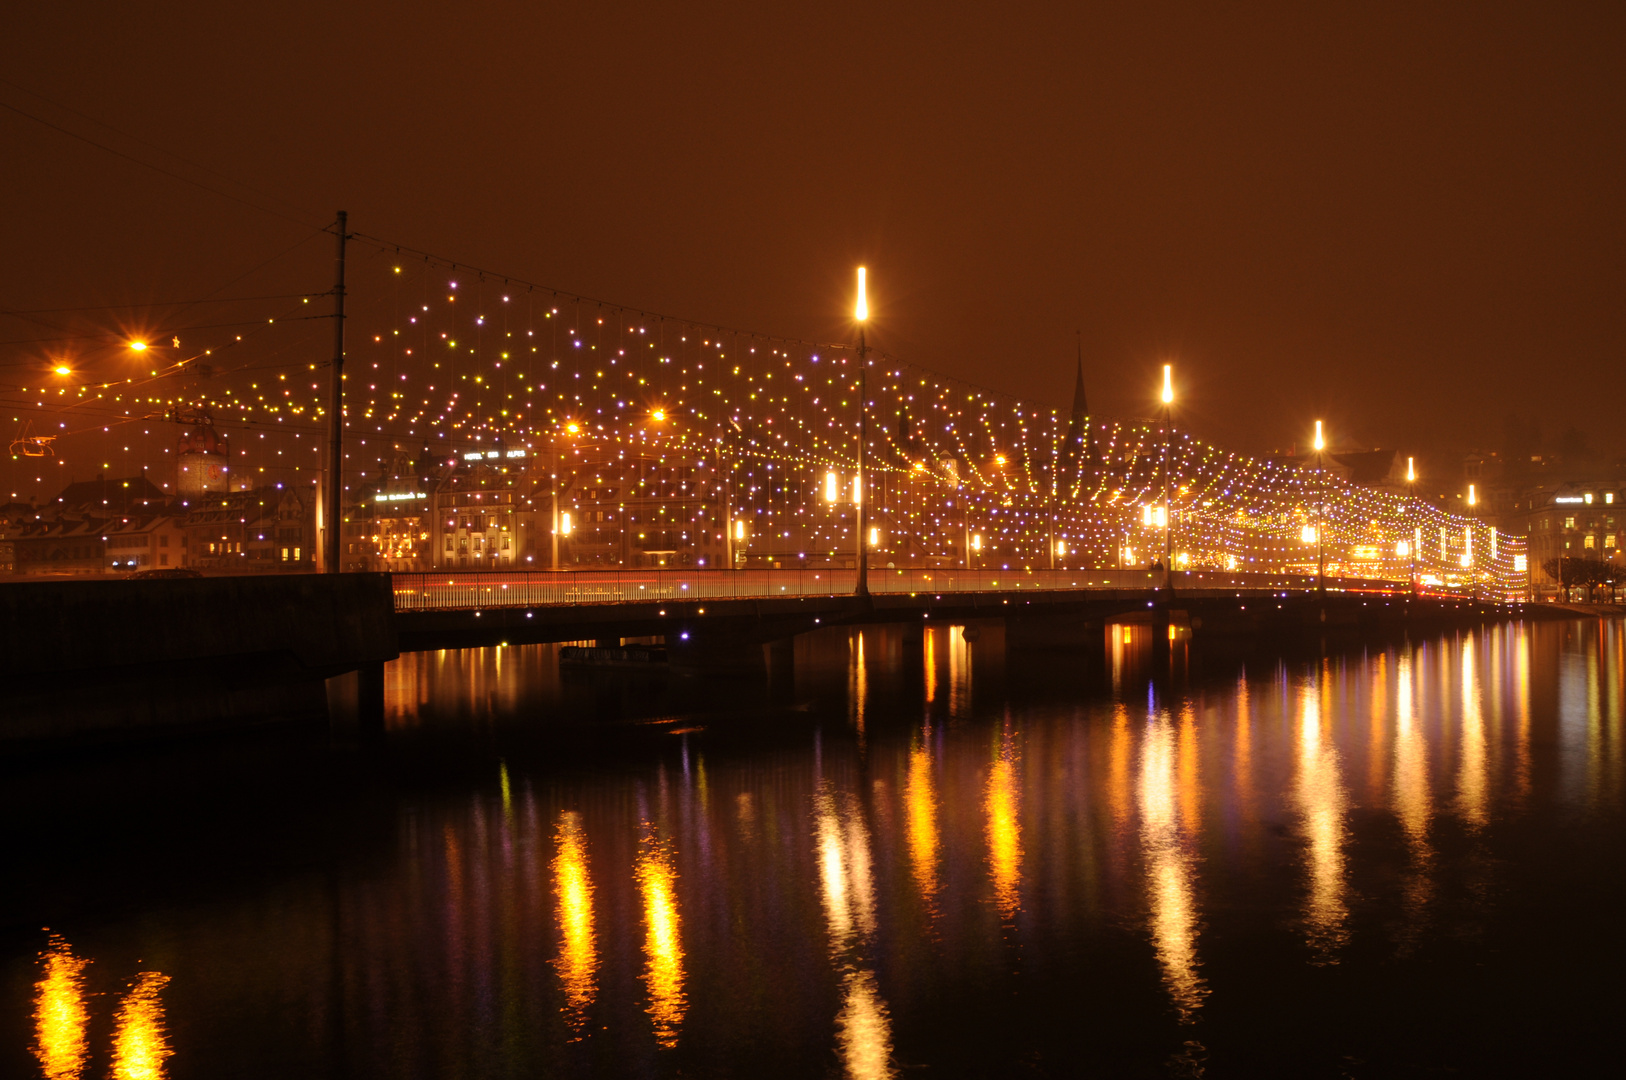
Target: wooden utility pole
{"x":333,"y":493}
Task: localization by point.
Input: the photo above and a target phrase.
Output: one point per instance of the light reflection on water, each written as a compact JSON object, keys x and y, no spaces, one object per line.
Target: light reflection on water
{"x":578,"y":954}
{"x":1167,"y":797}
{"x":62,"y":1020}
{"x":1004,"y":812}
{"x":663,"y":940}
{"x":937,"y":862}
{"x":60,"y":1013}
{"x":1322,"y":802}
{"x":140,"y":1043}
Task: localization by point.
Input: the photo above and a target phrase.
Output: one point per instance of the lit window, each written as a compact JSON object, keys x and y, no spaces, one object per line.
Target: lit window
{"x":1569,"y":523}
{"x":1589,"y":543}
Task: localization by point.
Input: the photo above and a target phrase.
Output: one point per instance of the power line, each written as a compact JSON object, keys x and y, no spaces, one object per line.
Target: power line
{"x":169,"y":330}
{"x":149,"y":165}
{"x":157,"y":304}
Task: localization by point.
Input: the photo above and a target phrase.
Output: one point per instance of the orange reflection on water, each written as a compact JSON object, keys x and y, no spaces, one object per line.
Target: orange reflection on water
{"x":1242,"y":749}
{"x":60,"y":1013}
{"x":663,"y":947}
{"x":1118,"y":765}
{"x":920,"y":799}
{"x":1410,"y":791}
{"x":139,"y":1044}
{"x":1319,"y":792}
{"x":858,"y":685}
{"x":959,"y":657}
{"x":578,"y":952}
{"x":1471,"y":767}
{"x":1002,"y":807}
{"x":1167,"y":795}
{"x":931,"y":665}
{"x":846,"y":880}
{"x":863,"y":1028}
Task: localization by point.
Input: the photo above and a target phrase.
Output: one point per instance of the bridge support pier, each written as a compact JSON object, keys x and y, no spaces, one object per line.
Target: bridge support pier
{"x":717,"y":653}
{"x":1052,"y":633}
{"x":355,"y":701}
{"x":1160,"y":637}
{"x":779,"y":657}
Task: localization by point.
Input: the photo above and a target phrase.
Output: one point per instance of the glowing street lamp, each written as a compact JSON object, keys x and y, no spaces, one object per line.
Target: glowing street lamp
{"x":861,"y":315}
{"x":1320,"y":514}
{"x":1411,"y":500}
{"x":138,"y":346}
{"x":1168,"y":435}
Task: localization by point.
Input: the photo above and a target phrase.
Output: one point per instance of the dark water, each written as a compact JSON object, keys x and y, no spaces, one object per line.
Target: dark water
{"x":1398,"y":859}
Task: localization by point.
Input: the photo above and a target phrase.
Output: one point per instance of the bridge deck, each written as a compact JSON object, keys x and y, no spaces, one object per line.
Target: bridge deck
{"x":453,"y":590}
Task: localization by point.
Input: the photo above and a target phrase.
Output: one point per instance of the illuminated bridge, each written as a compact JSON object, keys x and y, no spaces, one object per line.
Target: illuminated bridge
{"x":495,"y":425}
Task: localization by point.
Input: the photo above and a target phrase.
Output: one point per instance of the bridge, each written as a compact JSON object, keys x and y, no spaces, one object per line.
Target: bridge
{"x":128,"y":659}
{"x":525,"y":465}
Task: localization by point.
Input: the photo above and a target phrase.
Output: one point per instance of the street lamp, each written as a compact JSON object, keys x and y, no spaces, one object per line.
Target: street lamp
{"x":1168,"y":508}
{"x":1320,"y":514}
{"x":1471,"y":554}
{"x":1411,"y":499}
{"x":861,"y":314}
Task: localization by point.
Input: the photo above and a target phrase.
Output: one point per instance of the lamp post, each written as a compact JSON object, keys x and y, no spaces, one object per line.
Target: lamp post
{"x":861,"y":314}
{"x":1472,"y":553}
{"x":1320,"y":514}
{"x":1168,"y":508}
{"x":1415,"y":540}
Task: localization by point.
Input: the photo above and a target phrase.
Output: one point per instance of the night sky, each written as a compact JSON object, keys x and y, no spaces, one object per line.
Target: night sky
{"x":1406,"y":222}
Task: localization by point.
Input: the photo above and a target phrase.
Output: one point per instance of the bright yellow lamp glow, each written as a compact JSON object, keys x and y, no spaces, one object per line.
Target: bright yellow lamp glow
{"x":1473,"y":497}
{"x":572,"y":428}
{"x":64,"y":369}
{"x":1320,"y":443}
{"x":739,"y":529}
{"x":1168,"y":384}
{"x":138,"y":346}
{"x":564,"y":523}
{"x":861,"y":309}
{"x":858,"y":491}
{"x":658,"y":415}
{"x":874,"y":537}
{"x":976,"y":541}
{"x":1061,"y":547}
{"x":832,"y":487}
{"x":1411,"y":471}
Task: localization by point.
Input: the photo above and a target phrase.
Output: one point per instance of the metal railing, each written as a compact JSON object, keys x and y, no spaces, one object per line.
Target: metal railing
{"x":491,"y":589}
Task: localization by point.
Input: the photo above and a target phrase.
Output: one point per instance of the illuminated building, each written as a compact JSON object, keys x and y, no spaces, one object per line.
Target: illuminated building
{"x":1574,"y":520}
{"x":267,"y":528}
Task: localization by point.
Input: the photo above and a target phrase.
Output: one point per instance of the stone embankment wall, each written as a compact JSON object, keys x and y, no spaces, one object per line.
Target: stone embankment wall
{"x":129,"y":659}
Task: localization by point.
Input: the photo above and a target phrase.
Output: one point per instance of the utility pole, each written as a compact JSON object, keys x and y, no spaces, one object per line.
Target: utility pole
{"x":332,"y":496}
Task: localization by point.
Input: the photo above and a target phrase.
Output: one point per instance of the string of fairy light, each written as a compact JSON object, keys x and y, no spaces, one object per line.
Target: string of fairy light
{"x":443,"y":358}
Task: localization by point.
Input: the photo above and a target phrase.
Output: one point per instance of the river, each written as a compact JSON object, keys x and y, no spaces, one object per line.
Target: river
{"x":1395,"y":858}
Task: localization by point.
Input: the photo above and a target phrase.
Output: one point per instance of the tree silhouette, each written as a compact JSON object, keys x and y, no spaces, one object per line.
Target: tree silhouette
{"x":1591,"y":573}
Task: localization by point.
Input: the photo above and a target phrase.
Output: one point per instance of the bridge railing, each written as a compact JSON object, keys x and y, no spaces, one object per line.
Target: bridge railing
{"x":489,"y":589}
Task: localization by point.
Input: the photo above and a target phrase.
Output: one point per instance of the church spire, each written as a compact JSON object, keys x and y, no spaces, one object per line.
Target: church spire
{"x":1081,"y":406}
